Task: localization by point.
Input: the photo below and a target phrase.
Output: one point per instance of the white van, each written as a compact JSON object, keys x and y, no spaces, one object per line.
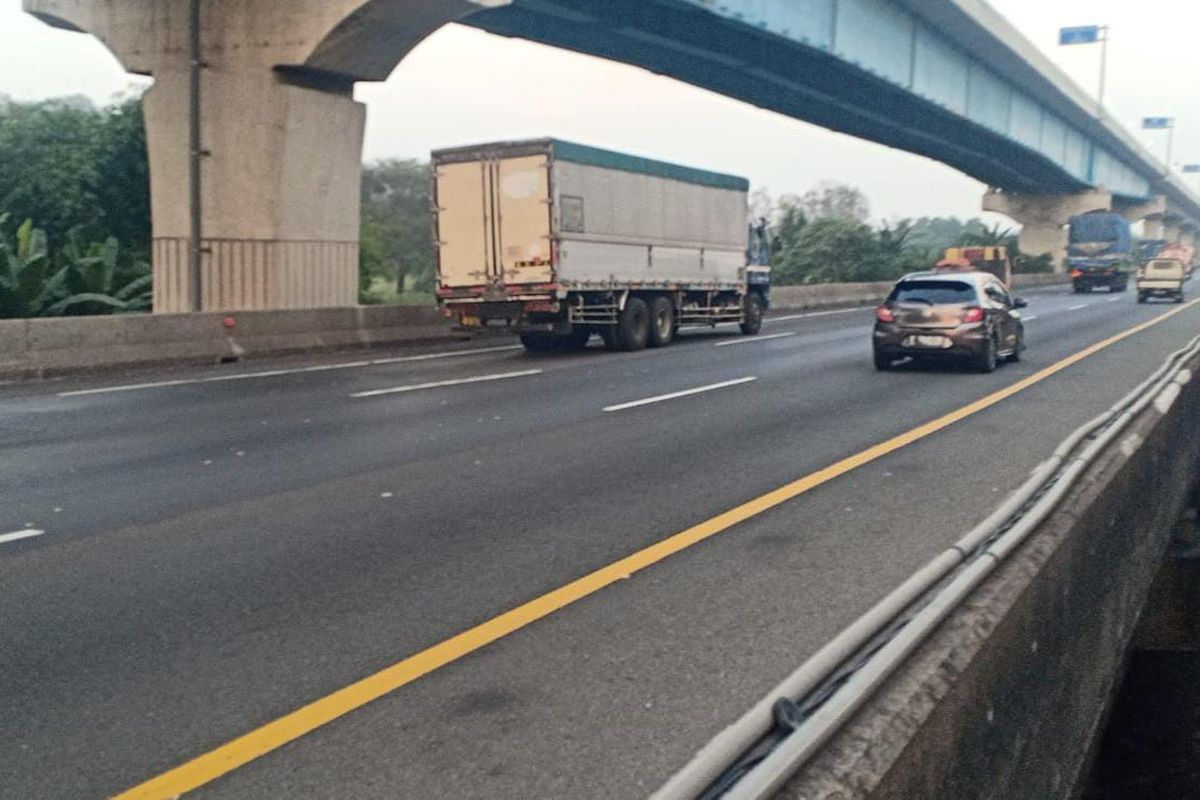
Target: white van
{"x":1161,"y":277}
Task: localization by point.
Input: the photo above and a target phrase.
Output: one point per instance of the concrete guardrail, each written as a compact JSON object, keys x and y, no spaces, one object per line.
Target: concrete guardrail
{"x":32,"y":348}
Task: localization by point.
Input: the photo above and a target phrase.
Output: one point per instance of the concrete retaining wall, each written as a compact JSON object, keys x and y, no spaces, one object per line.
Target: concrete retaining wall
{"x":40,"y":347}
{"x":833,"y":295}
{"x":1006,"y":699}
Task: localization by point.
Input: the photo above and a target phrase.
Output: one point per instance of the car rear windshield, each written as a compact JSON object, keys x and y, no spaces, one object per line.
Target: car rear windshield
{"x":1165,"y":266}
{"x":934,"y":293}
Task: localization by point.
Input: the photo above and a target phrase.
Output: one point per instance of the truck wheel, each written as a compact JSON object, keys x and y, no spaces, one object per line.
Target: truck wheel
{"x":633,"y":326}
{"x":538,"y":342}
{"x":1179,"y":297}
{"x":752,"y":314}
{"x":662,"y":322}
{"x":883,"y":363}
{"x":1141,"y":297}
{"x":608,"y":333}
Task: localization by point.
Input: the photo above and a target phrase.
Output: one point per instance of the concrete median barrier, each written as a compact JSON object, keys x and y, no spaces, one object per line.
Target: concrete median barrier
{"x":41,"y":347}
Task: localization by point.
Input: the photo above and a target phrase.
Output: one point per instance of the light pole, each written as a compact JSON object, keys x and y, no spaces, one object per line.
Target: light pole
{"x":195,"y":155}
{"x":1090,"y":34}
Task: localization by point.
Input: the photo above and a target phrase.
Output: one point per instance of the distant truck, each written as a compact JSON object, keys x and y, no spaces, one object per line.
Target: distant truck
{"x":1100,"y":251}
{"x":992,"y":260}
{"x":557,"y":241}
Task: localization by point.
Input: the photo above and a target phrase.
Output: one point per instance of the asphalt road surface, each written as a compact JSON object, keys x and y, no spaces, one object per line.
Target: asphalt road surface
{"x":185,"y":561}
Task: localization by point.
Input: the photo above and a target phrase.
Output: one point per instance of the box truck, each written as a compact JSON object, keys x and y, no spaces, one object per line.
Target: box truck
{"x":1100,"y":251}
{"x":558,"y":241}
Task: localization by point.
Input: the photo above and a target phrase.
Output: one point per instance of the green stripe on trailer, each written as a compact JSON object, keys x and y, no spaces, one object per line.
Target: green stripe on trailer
{"x":608,"y":159}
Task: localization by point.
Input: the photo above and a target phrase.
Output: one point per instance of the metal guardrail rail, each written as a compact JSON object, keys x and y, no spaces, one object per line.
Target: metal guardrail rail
{"x":755,"y":756}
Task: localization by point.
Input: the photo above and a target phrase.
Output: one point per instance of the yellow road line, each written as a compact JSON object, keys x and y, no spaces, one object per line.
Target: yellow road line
{"x":250,"y":746}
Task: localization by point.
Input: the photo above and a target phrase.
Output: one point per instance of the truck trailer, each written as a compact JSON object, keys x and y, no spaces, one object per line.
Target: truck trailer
{"x":557,"y":241}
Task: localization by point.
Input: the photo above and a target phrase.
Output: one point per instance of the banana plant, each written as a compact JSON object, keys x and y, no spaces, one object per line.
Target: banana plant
{"x":94,"y":283}
{"x":28,"y":281}
{"x":81,"y":280}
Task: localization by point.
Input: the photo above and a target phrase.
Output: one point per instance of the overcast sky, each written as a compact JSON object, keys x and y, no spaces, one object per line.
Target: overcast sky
{"x":462,"y":86}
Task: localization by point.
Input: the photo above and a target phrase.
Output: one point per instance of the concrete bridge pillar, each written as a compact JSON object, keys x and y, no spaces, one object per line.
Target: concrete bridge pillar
{"x":281,"y":133}
{"x":1043,"y":218}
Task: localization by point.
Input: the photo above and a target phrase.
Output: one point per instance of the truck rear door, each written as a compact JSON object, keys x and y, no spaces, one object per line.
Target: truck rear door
{"x":523,"y":221}
{"x":494,"y":222}
{"x":464,"y":224}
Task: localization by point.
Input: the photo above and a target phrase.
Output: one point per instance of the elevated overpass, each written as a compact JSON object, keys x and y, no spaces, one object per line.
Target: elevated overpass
{"x":947,"y":79}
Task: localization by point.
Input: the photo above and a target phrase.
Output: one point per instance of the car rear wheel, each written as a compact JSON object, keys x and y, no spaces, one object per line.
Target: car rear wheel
{"x":1015,"y":356}
{"x":662,"y":322}
{"x":985,"y":362}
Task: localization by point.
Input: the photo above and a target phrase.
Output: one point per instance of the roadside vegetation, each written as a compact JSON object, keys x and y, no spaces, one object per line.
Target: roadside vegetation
{"x":75,"y":221}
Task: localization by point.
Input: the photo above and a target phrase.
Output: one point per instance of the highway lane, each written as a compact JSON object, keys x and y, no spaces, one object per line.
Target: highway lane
{"x":171,"y":606}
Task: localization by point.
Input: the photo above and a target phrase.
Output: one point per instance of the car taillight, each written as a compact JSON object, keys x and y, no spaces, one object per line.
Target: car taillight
{"x":973,"y":315}
{"x":884,"y":314}
{"x":1076,"y":273}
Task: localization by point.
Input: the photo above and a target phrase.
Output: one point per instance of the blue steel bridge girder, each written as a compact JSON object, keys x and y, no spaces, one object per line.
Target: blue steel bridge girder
{"x":683,"y":41}
{"x":832,"y":63}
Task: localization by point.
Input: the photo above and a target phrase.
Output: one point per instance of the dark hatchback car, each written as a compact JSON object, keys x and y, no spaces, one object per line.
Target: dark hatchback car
{"x":931,"y":315}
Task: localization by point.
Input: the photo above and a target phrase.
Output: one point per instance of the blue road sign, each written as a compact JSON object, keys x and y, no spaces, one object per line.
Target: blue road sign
{"x":1191,"y":168}
{"x":1081,"y":34}
{"x":1156,"y":123}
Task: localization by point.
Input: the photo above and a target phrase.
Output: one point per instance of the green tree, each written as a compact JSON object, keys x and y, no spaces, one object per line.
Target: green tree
{"x":72,"y":167}
{"x":397,"y":226}
{"x":122,"y":182}
{"x":48,"y":164}
{"x":833,"y":250}
{"x":832,"y":200}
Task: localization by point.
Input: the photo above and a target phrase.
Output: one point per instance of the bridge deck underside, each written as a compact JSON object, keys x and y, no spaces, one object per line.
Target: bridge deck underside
{"x":774,"y":73}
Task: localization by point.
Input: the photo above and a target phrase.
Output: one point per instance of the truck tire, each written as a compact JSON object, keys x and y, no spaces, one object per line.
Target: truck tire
{"x":662,"y":322}
{"x":608,"y":333}
{"x":883,"y":362}
{"x":752,"y":314}
{"x":633,"y":326}
{"x":1141,"y":297}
